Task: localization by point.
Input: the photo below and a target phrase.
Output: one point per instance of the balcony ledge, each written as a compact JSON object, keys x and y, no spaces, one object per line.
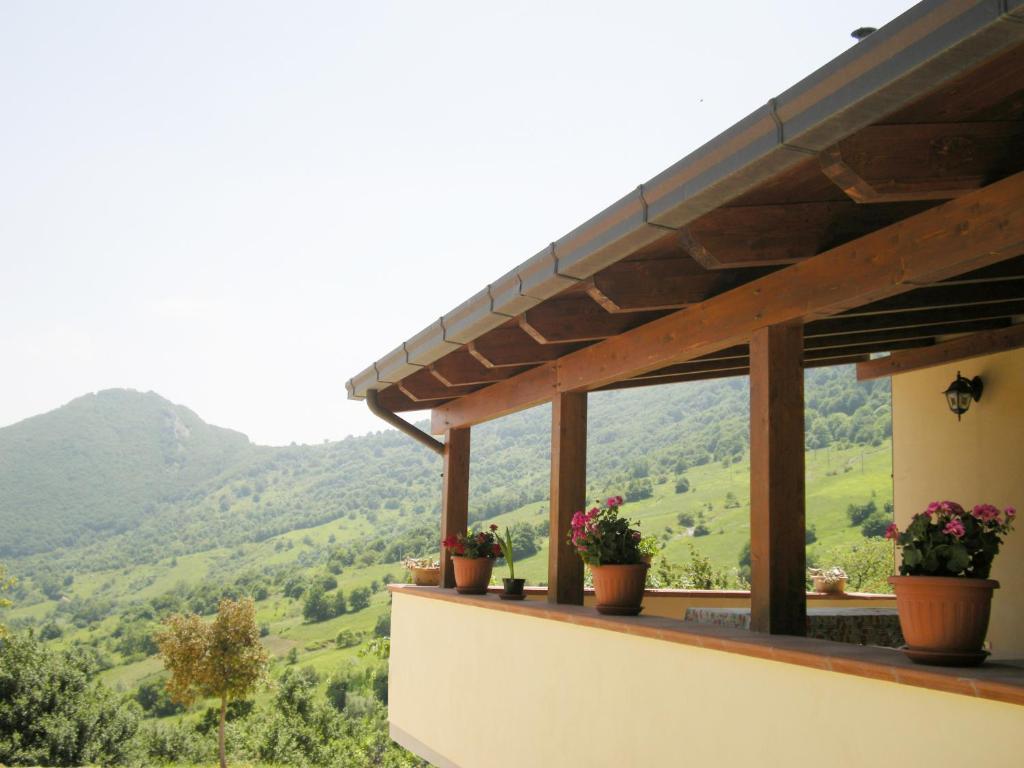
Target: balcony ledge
{"x":1001,"y":681}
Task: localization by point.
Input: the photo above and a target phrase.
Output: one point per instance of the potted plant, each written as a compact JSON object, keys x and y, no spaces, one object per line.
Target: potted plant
{"x":512,"y":587}
{"x":610,"y":546}
{"x":831,"y":581}
{"x":943,"y":593}
{"x":473,"y":556}
{"x":425,"y":571}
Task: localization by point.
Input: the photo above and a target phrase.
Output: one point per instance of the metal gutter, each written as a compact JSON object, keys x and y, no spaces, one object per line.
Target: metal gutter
{"x":922,"y":49}
{"x":401,"y":424}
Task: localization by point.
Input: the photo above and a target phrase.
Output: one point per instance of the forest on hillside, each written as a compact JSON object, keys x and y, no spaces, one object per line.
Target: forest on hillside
{"x":218,"y":490}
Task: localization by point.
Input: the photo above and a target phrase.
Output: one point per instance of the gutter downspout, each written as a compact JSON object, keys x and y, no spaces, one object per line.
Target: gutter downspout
{"x":401,"y":424}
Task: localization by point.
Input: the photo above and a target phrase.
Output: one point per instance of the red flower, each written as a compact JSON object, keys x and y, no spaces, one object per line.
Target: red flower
{"x":496,"y":550}
{"x":459,"y":550}
{"x":494,"y":527}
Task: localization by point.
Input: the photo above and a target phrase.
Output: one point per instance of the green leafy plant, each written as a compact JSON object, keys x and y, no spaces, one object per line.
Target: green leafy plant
{"x":946,"y":540}
{"x":506,"y":550}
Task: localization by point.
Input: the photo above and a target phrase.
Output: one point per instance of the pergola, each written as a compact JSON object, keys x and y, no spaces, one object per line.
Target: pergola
{"x":875,"y":207}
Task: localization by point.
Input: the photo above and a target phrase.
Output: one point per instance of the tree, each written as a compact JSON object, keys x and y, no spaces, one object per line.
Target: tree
{"x":223,"y":659}
{"x":317,"y":606}
{"x":53,"y":711}
{"x":360,"y":598}
{"x":682,"y":485}
{"x":6,"y":582}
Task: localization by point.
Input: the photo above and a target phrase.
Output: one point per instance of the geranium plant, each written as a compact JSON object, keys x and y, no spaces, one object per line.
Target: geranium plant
{"x":602,"y":536}
{"x":947,"y":540}
{"x":474,"y":544}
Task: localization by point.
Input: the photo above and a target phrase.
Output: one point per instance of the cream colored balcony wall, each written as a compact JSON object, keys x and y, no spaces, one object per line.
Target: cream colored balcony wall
{"x":978,"y":459}
{"x":478,"y":688}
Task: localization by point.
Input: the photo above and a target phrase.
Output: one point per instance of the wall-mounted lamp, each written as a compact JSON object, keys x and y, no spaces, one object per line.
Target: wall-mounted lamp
{"x":961,"y":392}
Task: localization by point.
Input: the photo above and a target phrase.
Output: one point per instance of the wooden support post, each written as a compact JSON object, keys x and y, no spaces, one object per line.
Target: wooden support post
{"x":568,"y":494}
{"x":778,"y":598}
{"x":454,"y":495}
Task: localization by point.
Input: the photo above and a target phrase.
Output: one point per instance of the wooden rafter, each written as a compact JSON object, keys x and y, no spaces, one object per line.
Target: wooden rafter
{"x":460,"y":368}
{"x":937,"y":161}
{"x":760,"y":235}
{"x":652,"y":284}
{"x":576,"y":317}
{"x":510,"y":346}
{"x":962,"y":348}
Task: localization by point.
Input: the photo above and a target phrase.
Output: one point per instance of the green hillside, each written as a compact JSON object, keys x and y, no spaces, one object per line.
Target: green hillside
{"x":100,"y":464}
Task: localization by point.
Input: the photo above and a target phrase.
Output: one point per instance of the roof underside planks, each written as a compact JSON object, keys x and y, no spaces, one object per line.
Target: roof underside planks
{"x":953,"y":129}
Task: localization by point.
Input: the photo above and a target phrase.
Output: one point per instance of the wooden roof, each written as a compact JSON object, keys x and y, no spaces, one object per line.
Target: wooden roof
{"x":940,"y":144}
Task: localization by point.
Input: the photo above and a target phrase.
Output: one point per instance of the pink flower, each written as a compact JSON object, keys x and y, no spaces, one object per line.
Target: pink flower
{"x":594,"y":512}
{"x":892,"y":531}
{"x":932,"y":508}
{"x":955,"y":527}
{"x":1010,"y":513}
{"x":612,"y":502}
{"x":618,"y":501}
{"x":636,"y":536}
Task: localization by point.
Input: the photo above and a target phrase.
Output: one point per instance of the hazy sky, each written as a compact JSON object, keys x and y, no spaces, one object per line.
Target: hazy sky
{"x":240,"y":205}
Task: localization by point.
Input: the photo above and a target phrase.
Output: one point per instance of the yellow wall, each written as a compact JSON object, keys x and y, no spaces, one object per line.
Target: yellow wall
{"x":979,"y":459}
{"x":478,"y":688}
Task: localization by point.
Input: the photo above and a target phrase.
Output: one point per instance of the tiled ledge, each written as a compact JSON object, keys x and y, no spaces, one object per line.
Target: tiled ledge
{"x":999,"y":681}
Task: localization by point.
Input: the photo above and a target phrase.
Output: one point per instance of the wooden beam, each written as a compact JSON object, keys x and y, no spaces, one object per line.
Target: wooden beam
{"x":460,"y":368}
{"x":454,"y":495}
{"x":509,"y":346}
{"x":651,"y":284}
{"x":969,"y":233}
{"x":422,"y":386}
{"x":576,"y":317}
{"x":963,"y":348}
{"x":568,"y":494}
{"x":759,"y":235}
{"x":943,"y":296}
{"x":938,"y":161}
{"x":726,"y":373}
{"x":395,"y":400}
{"x":778,"y":604}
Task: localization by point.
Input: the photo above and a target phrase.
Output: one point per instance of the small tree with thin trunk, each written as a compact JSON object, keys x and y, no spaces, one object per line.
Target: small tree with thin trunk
{"x":222,"y":659}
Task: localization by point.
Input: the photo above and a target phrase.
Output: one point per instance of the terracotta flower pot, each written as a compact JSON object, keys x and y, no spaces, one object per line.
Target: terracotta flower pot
{"x":823,"y":585}
{"x":426,"y":577}
{"x":619,"y":588}
{"x":944,"y":619}
{"x":472,"y":574}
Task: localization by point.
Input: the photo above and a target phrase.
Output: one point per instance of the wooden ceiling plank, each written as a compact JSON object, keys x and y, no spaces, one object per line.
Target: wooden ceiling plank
{"x":510,"y":346}
{"x":931,"y":161}
{"x":423,"y":386}
{"x":656,"y":284}
{"x":576,"y":318}
{"x":965,"y":234}
{"x":764,"y":235}
{"x":963,"y":348}
{"x":460,"y":368}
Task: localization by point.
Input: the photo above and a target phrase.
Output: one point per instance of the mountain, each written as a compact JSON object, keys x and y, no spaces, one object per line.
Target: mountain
{"x":100,"y":464}
{"x":122,"y":477}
